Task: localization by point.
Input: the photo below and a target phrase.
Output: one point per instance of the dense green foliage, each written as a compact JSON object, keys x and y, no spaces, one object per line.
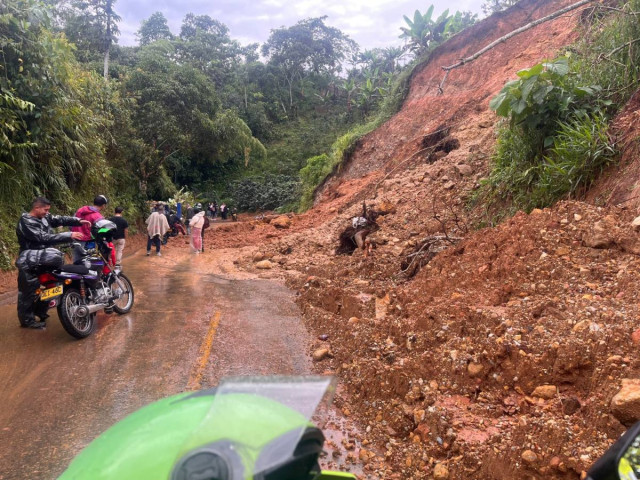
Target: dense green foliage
{"x":193,"y":114}
{"x":555,"y":141}
{"x":271,"y":192}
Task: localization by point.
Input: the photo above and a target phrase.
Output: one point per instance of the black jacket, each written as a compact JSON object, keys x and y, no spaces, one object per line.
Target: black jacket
{"x":35,"y":233}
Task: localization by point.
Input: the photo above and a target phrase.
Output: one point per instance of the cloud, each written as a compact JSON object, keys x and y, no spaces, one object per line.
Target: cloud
{"x":371,"y":23}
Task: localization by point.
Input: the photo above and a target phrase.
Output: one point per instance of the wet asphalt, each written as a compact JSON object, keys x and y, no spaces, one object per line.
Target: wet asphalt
{"x":185,"y":332}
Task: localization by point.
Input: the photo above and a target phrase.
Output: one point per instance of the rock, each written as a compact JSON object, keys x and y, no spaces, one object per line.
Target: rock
{"x":449,"y":185}
{"x":423,"y":431}
{"x":625,"y":405}
{"x":382,"y":305}
{"x":581,"y":327}
{"x":264,"y":265}
{"x":440,"y":472}
{"x":464,"y":170}
{"x":323,"y":337}
{"x":545,"y":391}
{"x":475,"y":369}
{"x":365,"y":456}
{"x":635,"y":337}
{"x":598,"y":237}
{"x":281,"y":222}
{"x":570,"y":405}
{"x":385,"y":208}
{"x":536,"y":211}
{"x":258,"y":257}
{"x":554,"y":462}
{"x":320,"y":354}
{"x":636,"y":224}
{"x":529,"y":457}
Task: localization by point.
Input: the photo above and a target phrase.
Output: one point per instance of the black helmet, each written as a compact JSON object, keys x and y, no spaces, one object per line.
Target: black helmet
{"x":103,"y":229}
{"x":100,"y":200}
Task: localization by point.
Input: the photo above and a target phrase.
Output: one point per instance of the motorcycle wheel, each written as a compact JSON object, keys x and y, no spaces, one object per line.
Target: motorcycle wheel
{"x":74,"y":325}
{"x":122,"y":290}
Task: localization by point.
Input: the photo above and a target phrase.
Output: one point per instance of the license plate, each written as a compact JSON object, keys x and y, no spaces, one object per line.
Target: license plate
{"x":51,"y":293}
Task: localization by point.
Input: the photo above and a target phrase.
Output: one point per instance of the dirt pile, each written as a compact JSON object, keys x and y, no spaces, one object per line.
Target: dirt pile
{"x":498,"y":357}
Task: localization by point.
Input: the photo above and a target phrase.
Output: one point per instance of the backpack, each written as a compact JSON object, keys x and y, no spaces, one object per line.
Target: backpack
{"x":206,"y":223}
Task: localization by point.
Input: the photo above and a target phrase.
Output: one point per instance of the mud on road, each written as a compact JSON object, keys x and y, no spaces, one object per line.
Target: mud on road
{"x":195,"y":320}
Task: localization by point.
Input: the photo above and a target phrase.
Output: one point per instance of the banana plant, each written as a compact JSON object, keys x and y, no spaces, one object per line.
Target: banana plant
{"x":422,"y":31}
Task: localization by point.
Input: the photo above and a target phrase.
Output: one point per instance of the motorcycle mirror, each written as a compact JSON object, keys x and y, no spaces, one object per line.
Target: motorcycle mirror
{"x":621,"y":461}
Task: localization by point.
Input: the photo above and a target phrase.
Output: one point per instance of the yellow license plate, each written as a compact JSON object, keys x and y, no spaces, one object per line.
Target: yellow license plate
{"x":51,"y":292}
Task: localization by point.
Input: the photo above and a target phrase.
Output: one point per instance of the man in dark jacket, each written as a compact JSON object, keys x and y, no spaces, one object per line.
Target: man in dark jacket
{"x":35,"y":232}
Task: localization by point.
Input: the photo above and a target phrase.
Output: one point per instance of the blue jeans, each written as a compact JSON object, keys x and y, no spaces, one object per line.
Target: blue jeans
{"x":156,"y":241}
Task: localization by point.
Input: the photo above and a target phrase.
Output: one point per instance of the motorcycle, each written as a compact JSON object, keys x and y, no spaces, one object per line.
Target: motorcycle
{"x":248,"y":428}
{"x":80,"y":290}
{"x":621,"y":461}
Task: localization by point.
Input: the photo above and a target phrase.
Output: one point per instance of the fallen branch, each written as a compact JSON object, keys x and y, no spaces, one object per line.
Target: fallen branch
{"x":621,"y":47}
{"x":506,"y":37}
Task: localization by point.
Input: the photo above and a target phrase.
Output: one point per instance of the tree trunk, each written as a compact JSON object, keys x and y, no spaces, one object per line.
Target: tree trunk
{"x":109,"y":12}
{"x":507,"y":37}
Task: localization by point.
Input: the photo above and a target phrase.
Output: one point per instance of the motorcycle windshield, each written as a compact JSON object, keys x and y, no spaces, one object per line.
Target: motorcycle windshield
{"x":253,"y":425}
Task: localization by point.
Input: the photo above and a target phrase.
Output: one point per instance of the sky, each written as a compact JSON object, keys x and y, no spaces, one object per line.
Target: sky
{"x":371,"y":23}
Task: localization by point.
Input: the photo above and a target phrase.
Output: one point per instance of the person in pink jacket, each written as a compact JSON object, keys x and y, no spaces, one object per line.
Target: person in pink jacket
{"x":92,"y":214}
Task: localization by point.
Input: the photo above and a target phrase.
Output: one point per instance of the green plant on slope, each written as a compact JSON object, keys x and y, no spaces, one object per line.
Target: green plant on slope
{"x":581,"y":151}
{"x":543,"y":95}
{"x":554,"y":143}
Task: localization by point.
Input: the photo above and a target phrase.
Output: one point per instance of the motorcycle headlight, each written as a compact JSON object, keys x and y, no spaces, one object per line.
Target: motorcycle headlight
{"x":202,"y":464}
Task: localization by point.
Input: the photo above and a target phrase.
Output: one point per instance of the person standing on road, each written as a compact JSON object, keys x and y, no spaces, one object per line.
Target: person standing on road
{"x":35,"y":232}
{"x":92,"y":214}
{"x":197,"y":224}
{"x":119,"y":238}
{"x":157,"y":226}
{"x":188,"y":218}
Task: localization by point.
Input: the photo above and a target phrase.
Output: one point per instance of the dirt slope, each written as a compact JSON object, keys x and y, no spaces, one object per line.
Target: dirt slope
{"x":500,"y":357}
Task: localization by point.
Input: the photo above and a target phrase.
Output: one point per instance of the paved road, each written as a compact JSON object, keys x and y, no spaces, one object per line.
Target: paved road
{"x":185,"y":332}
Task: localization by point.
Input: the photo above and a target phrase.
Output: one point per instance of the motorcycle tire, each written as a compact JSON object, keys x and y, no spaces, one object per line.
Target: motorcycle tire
{"x":74,"y":325}
{"x":121,"y":307}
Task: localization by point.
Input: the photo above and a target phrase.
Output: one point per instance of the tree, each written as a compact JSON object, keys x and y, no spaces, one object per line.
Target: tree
{"x":490,"y":7}
{"x":422,"y":31}
{"x":307,"y":48}
{"x":153,"y":29}
{"x":206,"y":44}
{"x":92,"y":26}
{"x":50,"y":131}
{"x":179,"y":113}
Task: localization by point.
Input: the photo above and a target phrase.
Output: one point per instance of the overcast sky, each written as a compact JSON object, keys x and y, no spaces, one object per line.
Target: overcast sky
{"x":371,"y":23}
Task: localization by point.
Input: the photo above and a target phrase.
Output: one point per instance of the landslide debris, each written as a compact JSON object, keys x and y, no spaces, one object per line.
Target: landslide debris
{"x":493,"y":353}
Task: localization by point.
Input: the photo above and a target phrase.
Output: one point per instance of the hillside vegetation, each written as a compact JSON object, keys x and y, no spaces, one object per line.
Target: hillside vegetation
{"x":194,"y":113}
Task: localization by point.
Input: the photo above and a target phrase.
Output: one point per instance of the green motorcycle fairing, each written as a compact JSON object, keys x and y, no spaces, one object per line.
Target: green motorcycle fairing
{"x":245,"y":433}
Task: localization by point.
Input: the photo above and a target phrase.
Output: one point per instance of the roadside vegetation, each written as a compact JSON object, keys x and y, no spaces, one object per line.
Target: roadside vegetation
{"x":554,"y":140}
{"x":191,"y":111}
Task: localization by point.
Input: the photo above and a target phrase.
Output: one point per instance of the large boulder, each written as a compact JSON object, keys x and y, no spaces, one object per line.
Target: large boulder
{"x":625,"y":405}
{"x":281,"y":222}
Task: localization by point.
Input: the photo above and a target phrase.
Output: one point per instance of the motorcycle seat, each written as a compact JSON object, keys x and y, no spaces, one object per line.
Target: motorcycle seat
{"x":79,"y":269}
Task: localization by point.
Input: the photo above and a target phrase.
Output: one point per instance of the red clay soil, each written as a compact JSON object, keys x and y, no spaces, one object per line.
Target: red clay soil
{"x":499,"y":358}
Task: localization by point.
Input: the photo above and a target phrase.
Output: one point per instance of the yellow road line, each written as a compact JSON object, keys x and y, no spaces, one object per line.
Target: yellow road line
{"x":195,"y":379}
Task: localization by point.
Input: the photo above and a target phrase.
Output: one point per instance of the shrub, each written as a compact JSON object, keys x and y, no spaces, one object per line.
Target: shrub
{"x":265,"y":193}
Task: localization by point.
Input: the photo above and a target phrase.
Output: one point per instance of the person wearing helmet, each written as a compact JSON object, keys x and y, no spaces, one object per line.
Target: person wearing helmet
{"x":92,"y":214}
{"x":35,"y":232}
